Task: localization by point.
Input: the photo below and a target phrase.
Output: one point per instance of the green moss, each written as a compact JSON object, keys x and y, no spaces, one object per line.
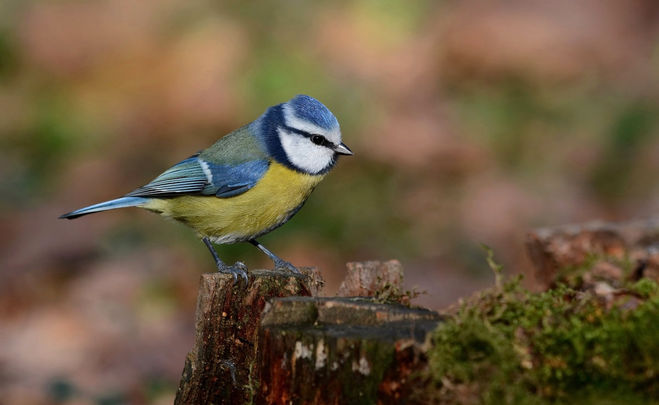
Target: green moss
{"x":392,"y":294}
{"x":509,"y":345}
{"x":574,"y":275}
{"x":645,"y":287}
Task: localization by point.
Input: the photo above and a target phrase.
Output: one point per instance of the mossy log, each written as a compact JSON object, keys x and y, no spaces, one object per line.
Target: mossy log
{"x":553,"y":250}
{"x":341,"y":350}
{"x":219,"y":369}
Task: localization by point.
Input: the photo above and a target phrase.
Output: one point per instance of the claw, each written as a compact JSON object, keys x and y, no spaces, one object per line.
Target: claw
{"x":242,"y":270}
{"x":238,"y":269}
{"x":284,"y":265}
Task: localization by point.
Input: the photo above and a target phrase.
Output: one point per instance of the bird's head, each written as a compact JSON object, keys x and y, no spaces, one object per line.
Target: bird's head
{"x":304,"y":135}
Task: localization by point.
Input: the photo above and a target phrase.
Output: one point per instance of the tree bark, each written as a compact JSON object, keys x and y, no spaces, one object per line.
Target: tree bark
{"x":365,"y":279}
{"x":220,"y":367}
{"x":272,"y":342}
{"x":341,"y":351}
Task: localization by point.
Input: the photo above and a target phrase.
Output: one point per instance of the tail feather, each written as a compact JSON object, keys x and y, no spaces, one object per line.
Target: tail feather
{"x":122,"y":202}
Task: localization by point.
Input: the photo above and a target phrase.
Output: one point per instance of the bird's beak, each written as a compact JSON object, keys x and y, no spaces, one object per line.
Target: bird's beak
{"x":342,"y":149}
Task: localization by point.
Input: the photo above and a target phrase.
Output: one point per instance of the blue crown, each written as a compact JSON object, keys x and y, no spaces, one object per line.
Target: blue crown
{"x":312,"y":110}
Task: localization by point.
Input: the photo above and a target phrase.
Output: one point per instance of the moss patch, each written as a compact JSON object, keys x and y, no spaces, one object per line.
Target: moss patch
{"x":508,"y":345}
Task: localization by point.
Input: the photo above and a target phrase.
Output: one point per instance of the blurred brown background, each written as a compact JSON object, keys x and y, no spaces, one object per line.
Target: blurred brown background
{"x":471,"y":122}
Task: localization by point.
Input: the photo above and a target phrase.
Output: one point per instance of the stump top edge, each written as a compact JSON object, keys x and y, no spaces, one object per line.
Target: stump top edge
{"x":355,"y":311}
{"x":261,"y":273}
{"x":365,"y":302}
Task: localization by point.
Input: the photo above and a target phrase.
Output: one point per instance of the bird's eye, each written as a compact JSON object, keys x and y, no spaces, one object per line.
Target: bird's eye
{"x":318,"y":139}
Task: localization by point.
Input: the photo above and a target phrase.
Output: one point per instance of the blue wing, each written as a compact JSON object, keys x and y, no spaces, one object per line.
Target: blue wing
{"x":195,"y":175}
{"x":231,"y":180}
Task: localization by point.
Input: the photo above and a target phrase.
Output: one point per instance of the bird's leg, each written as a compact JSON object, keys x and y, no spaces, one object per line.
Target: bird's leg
{"x":238,"y":269}
{"x":280,"y":264}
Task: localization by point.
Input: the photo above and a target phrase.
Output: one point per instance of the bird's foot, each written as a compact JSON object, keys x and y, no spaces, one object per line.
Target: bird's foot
{"x":238,"y":269}
{"x":284,"y":265}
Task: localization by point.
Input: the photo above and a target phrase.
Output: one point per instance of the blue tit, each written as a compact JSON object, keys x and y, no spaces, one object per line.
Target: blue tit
{"x":249,"y":182}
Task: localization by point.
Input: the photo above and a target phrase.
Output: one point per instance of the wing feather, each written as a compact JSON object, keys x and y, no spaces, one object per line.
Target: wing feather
{"x":231,"y":166}
{"x":194,"y":175}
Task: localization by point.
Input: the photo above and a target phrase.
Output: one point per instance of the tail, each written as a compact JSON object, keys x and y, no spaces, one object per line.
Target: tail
{"x":122,"y":202}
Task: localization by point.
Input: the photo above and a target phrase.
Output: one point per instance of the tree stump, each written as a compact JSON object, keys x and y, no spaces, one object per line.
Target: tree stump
{"x":272,"y":342}
{"x":570,"y":246}
{"x":365,"y":279}
{"x":219,"y":369}
{"x":340,"y":350}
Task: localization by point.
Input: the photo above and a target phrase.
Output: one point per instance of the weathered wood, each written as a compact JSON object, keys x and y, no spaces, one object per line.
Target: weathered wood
{"x":554,"y":249}
{"x":364,"y":279}
{"x":340,"y":350}
{"x":219,"y":369}
{"x":273,"y":343}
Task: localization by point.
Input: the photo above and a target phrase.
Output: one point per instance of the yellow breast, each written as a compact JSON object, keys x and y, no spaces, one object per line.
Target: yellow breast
{"x":270,"y":203}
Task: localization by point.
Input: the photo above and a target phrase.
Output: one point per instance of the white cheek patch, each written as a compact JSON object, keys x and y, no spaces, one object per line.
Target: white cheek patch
{"x":303,"y":153}
{"x":293,"y":121}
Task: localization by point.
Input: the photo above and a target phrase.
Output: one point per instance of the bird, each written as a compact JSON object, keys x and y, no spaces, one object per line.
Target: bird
{"x":248,"y":183}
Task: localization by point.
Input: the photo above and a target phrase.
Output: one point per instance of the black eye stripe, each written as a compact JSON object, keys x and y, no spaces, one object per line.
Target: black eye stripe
{"x":322,"y":142}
